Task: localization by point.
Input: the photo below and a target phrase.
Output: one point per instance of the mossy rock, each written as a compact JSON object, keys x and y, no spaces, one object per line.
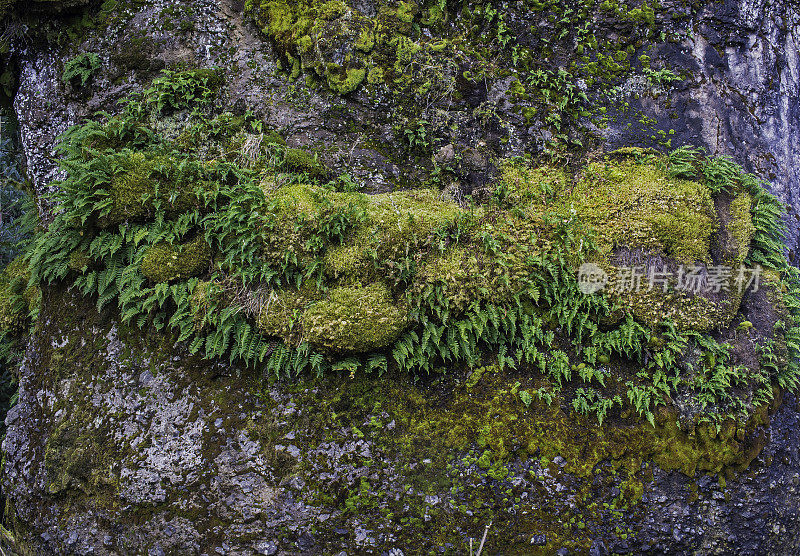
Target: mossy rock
{"x":344,"y":49}
{"x":281,"y":311}
{"x":142,"y":186}
{"x":395,"y":222}
{"x":17,"y":297}
{"x":355,"y":319}
{"x":166,"y":263}
{"x":304,"y":161}
{"x":636,"y":204}
{"x":652,"y":229}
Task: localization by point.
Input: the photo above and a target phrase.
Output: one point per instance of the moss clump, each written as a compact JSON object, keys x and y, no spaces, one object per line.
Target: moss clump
{"x":304,"y":161}
{"x":366,"y":40}
{"x":635,"y":204}
{"x":282,"y":311}
{"x":131,"y":191}
{"x":17,"y":298}
{"x":272,"y":137}
{"x":741,"y":227}
{"x":347,"y":81}
{"x":458,"y":273}
{"x":688,"y":312}
{"x":205,"y":296}
{"x":522,"y":185}
{"x":337,"y":44}
{"x":146,"y":183}
{"x":395,"y":223}
{"x":164,"y":263}
{"x":79,"y":260}
{"x":355,"y":319}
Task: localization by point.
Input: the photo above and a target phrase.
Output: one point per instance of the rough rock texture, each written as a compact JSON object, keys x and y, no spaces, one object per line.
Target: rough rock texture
{"x":742,"y":99}
{"x":120,"y":445}
{"x":739,"y":98}
{"x":124,"y":446}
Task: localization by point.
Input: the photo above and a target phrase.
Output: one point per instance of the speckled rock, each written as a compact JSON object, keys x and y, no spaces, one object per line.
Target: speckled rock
{"x":121,"y":444}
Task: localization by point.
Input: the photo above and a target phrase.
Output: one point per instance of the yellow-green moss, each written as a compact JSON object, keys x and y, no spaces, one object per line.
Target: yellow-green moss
{"x":164,"y":262}
{"x":635,"y":204}
{"x":394,"y":223}
{"x":355,"y":319}
{"x":338,"y":44}
{"x":345,"y":81}
{"x":458,"y":274}
{"x":140,"y":187}
{"x":687,"y":311}
{"x":491,"y":415}
{"x":17,"y":298}
{"x":304,"y":161}
{"x":282,"y":311}
{"x":741,"y":226}
{"x":206,"y":294}
{"x":79,"y":260}
{"x":524,"y":185}
{"x":366,"y":40}
{"x":295,"y":211}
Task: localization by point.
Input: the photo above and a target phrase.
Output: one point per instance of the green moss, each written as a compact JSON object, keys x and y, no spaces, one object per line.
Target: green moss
{"x":339,"y":45}
{"x":78,"y":456}
{"x":687,"y":311}
{"x":79,"y":260}
{"x":405,"y":11}
{"x":347,"y":81}
{"x":635,"y":204}
{"x":494,"y":417}
{"x":741,"y":226}
{"x":274,"y":138}
{"x":366,"y":40}
{"x":131,"y":190}
{"x":522,"y":185}
{"x":142,"y":185}
{"x":13,"y":306}
{"x":394,"y":222}
{"x":467,"y":443}
{"x":206,"y":294}
{"x":375,"y":75}
{"x":458,"y":273}
{"x":355,"y":319}
{"x":282,"y":312}
{"x":165,"y":263}
{"x":304,"y":161}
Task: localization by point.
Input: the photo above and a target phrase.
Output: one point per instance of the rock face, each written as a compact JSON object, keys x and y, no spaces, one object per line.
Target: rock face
{"x":119,"y":446}
{"x":123,"y":443}
{"x":738,"y":95}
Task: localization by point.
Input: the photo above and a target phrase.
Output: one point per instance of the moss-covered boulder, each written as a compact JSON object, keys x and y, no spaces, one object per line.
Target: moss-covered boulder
{"x":355,"y":319}
{"x":164,"y":263}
